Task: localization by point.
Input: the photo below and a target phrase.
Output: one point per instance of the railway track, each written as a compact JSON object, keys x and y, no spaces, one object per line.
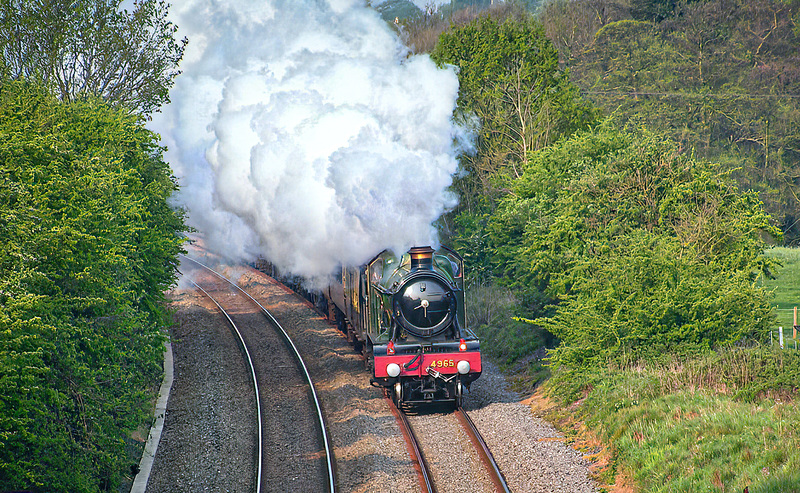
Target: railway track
{"x":498,"y":480}
{"x":427,"y":471}
{"x":492,"y":480}
{"x":209,"y":423}
{"x":293,"y":449}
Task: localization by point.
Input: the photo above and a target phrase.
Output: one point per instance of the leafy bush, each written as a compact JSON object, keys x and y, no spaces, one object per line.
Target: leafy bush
{"x":88,"y":244}
{"x":643,"y":299}
{"x":645,"y":251}
{"x":492,"y":310}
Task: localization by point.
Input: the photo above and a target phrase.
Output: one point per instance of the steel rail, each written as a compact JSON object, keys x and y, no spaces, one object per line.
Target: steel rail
{"x":483,"y":450}
{"x":420,"y":463}
{"x":252,"y":375}
{"x":315,"y":397}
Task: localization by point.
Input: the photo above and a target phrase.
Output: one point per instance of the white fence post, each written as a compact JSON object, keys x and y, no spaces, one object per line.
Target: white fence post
{"x":780,"y":336}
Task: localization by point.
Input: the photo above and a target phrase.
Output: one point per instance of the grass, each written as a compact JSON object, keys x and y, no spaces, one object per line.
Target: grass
{"x":717,"y":423}
{"x":786,"y":285}
{"x":699,"y":441}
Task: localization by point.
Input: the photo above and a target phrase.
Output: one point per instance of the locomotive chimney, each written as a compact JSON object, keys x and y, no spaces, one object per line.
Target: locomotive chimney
{"x":421,"y":258}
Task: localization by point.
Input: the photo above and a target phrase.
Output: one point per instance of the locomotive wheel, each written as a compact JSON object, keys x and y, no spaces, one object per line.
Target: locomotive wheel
{"x":397,"y":395}
{"x":459,"y":395}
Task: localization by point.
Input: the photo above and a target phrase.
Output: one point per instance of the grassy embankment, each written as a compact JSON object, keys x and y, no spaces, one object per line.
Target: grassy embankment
{"x":720,"y":422}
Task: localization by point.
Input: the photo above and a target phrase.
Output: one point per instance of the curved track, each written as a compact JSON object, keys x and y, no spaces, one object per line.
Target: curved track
{"x":421,"y":464}
{"x":289,"y":457}
{"x":477,"y":440}
{"x":246,"y":352}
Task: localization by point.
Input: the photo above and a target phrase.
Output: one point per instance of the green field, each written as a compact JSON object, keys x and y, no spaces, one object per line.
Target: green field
{"x":786,"y":285}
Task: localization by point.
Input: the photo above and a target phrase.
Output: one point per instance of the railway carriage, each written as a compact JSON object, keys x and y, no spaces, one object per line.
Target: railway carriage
{"x":406,"y":315}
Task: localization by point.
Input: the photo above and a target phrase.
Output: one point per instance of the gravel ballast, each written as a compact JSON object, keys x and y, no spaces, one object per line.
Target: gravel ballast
{"x":530,"y":452}
{"x":371,"y":455}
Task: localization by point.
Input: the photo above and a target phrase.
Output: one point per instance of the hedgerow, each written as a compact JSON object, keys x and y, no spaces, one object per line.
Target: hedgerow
{"x":88,"y":244}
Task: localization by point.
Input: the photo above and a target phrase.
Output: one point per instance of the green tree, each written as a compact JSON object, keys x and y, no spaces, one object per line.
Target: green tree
{"x":572,"y":24}
{"x":643,"y":250}
{"x":652,"y":10}
{"x":512,"y":91}
{"x":517,"y":99}
{"x":88,"y":48}
{"x":88,"y":244}
{"x":720,"y":77}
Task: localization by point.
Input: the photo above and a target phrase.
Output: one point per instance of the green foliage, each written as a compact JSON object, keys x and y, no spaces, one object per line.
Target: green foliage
{"x":421,"y":31}
{"x":511,"y":82}
{"x":644,"y":250}
{"x":572,"y":24}
{"x":492,"y":309}
{"x":92,"y":48}
{"x":653,"y":10}
{"x":719,"y":77}
{"x":88,"y":244}
{"x":642,"y":299}
{"x":513,"y":92}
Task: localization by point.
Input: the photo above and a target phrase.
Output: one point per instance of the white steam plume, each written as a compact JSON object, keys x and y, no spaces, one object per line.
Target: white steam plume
{"x":301,"y":132}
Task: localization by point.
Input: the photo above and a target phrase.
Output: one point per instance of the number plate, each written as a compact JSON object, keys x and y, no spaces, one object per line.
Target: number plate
{"x":443,"y":363}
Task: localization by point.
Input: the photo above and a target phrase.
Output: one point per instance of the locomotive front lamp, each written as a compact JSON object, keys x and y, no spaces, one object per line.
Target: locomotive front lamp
{"x":393,"y":369}
{"x":463,"y":367}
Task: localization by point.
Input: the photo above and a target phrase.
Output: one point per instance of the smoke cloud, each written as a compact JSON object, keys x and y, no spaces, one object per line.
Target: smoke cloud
{"x":301,"y":131}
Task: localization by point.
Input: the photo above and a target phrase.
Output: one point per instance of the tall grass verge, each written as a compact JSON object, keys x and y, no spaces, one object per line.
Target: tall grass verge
{"x":718,"y":422}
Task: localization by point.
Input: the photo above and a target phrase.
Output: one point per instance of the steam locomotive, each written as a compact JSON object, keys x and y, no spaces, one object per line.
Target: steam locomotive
{"x":406,"y":315}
